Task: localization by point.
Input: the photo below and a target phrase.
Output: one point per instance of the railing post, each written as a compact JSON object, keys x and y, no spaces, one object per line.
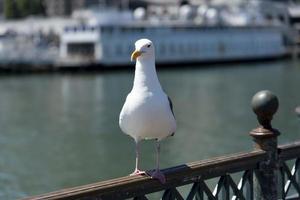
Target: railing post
{"x":265,"y":105}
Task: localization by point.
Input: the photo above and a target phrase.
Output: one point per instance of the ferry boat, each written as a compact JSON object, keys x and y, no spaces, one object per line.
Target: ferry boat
{"x":108,"y":38}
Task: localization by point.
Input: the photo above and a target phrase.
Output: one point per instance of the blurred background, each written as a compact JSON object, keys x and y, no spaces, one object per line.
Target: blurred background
{"x":65,"y":72}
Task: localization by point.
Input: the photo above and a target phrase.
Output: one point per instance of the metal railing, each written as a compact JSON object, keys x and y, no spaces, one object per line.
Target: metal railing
{"x":268,"y":172}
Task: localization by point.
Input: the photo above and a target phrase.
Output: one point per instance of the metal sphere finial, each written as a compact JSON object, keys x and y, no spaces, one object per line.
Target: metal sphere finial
{"x":265,"y":105}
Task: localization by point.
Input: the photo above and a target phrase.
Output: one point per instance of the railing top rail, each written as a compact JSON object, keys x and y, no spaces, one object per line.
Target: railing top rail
{"x":289,"y":151}
{"x":132,"y":186}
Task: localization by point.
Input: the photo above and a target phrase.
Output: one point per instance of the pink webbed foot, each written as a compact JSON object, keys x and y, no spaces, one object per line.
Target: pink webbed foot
{"x":137,"y":172}
{"x":157,"y":174}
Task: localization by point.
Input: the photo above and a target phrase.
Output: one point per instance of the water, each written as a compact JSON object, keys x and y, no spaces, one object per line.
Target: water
{"x":61,"y":130}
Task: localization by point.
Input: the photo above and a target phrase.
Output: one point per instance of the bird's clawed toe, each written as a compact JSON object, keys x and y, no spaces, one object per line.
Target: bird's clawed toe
{"x":137,"y":172}
{"x":157,"y":174}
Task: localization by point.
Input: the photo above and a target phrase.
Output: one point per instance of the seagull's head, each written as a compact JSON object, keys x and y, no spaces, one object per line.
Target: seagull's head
{"x":144,"y":49}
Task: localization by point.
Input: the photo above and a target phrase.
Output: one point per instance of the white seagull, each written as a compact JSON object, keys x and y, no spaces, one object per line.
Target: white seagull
{"x":147,"y":112}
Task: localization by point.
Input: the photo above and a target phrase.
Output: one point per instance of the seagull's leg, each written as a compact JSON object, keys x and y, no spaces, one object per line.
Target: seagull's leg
{"x":157,"y":174}
{"x":157,"y":154}
{"x":137,"y":151}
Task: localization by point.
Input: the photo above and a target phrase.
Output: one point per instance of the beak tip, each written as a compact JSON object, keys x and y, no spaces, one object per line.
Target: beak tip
{"x":135,"y":55}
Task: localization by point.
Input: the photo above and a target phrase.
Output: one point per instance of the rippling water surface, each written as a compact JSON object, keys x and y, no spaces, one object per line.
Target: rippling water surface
{"x":61,"y":130}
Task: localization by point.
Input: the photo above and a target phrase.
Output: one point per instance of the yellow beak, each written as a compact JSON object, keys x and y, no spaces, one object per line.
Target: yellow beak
{"x":135,"y":54}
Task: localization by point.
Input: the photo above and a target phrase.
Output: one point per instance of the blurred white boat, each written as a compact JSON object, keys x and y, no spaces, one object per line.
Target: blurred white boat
{"x":180,"y":34}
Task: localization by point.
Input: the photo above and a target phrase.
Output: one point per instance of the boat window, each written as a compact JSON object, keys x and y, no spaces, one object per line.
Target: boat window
{"x":138,"y":29}
{"x":124,"y":30}
{"x":108,"y":30}
{"x":281,"y":18}
{"x":269,"y":16}
{"x":81,"y":49}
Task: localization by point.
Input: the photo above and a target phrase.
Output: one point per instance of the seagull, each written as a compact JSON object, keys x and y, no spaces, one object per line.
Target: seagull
{"x":147,"y":112}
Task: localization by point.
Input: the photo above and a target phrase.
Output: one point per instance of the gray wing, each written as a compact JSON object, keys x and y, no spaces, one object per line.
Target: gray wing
{"x":171,"y":107}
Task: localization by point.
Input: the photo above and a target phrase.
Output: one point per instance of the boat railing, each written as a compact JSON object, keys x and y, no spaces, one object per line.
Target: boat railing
{"x":269,"y":172}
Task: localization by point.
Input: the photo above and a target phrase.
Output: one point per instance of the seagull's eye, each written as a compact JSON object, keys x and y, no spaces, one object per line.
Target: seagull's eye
{"x":149,"y":45}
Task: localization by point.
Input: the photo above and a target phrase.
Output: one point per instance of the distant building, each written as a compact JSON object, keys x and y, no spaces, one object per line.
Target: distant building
{"x":77,"y":4}
{"x":66,"y":7}
{"x":1,"y":7}
{"x":58,"y":7}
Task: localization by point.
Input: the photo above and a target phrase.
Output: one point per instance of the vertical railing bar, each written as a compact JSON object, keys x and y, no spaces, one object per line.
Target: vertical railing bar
{"x":288,"y":182}
{"x":166,"y":195}
{"x":209,"y":194}
{"x":172,"y":195}
{"x":250,"y":192}
{"x":297,"y":169}
{"x":225,"y":188}
{"x":193,"y":191}
{"x":176,"y":194}
{"x":298,"y":172}
{"x":244,"y":190}
{"x":294,"y":175}
{"x":199,"y":192}
{"x":281,"y":184}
